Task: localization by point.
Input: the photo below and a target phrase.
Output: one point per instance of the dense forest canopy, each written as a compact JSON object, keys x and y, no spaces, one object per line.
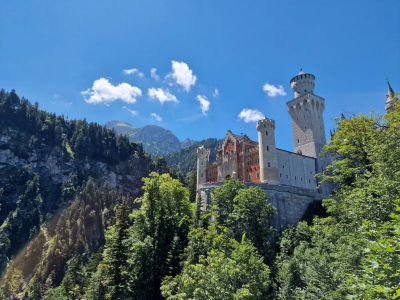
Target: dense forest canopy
{"x":115,"y":243}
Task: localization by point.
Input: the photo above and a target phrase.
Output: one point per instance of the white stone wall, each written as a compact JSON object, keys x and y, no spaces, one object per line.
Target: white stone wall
{"x":296,"y":170}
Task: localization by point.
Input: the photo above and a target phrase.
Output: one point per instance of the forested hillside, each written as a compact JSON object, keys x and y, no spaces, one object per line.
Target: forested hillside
{"x":112,"y":242}
{"x":45,"y":161}
{"x":185,"y":160}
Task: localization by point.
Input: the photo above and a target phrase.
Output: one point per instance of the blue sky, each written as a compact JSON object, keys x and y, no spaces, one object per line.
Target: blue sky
{"x":52,"y":51}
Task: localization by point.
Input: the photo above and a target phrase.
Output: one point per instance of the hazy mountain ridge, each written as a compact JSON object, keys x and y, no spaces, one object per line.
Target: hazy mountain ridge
{"x":155,"y":139}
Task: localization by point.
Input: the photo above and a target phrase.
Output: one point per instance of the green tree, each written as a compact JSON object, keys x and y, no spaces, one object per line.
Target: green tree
{"x":160,"y":233}
{"x":192,"y":185}
{"x":115,"y":256}
{"x":236,"y":271}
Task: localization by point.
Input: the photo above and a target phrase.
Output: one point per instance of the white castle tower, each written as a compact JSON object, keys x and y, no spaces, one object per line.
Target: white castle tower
{"x":306,"y":111}
{"x":203,"y":155}
{"x":267,"y":151}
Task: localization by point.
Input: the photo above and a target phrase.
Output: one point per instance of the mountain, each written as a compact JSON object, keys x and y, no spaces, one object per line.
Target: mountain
{"x":185,"y":159}
{"x":155,"y":139}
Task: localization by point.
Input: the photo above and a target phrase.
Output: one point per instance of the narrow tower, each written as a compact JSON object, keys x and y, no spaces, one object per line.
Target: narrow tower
{"x":203,"y":155}
{"x":390,"y":99}
{"x":267,"y":151}
{"x":306,"y":111}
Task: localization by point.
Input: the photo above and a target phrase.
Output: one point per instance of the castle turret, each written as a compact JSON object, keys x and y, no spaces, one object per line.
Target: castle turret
{"x":267,"y":151}
{"x":390,"y":99}
{"x":203,"y":155}
{"x":302,"y":84}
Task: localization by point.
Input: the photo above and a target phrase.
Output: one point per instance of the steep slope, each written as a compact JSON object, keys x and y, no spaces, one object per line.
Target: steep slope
{"x":155,"y":139}
{"x":44,"y":159}
{"x":185,"y":159}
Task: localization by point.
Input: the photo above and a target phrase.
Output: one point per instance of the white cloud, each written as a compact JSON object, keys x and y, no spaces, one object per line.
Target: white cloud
{"x":182,"y":75}
{"x":204,"y":103}
{"x":273,"y":91}
{"x":162,"y":95}
{"x":103,"y":91}
{"x":216,"y":93}
{"x":133,"y":71}
{"x":156,"y":117}
{"x":133,"y":112}
{"x":250,"y":115}
{"x":154,"y":75}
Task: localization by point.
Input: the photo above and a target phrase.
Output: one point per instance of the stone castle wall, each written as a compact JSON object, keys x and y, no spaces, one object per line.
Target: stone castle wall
{"x":290,"y":202}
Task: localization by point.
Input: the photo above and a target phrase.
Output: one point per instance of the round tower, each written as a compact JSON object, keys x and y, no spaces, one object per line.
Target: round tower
{"x":267,"y":151}
{"x":203,"y":155}
{"x":302,"y":83}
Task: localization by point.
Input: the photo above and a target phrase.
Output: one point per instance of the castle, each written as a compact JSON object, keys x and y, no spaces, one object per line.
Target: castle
{"x":287,"y":177}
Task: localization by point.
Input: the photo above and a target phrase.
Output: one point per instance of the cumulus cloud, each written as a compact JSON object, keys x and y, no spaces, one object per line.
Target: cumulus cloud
{"x":105,"y":92}
{"x":133,"y":112}
{"x":204,"y":104}
{"x":154,"y":75}
{"x":250,"y":115}
{"x":273,"y":91}
{"x":156,"y":117}
{"x":133,"y":71}
{"x":161,"y":95}
{"x":181,"y":75}
{"x":216,"y":93}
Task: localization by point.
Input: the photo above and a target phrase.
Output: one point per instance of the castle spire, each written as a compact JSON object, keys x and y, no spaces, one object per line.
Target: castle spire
{"x":390,"y":100}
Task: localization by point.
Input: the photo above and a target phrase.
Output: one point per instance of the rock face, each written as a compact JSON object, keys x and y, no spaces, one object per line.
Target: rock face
{"x":155,"y":139}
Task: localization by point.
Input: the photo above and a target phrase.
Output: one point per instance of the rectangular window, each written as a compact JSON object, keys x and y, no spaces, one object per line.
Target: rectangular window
{"x":280,"y":174}
{"x":266,"y":133}
{"x":269,"y":165}
{"x":258,"y":175}
{"x":267,"y":148}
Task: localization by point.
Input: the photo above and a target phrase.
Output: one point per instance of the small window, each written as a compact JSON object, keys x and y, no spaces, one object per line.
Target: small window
{"x":258,"y":175}
{"x":301,"y":178}
{"x":309,"y":180}
{"x":266,"y":133}
{"x":215,"y":172}
{"x":280,"y":174}
{"x":209,"y":173}
{"x":295,"y":177}
{"x":249,"y":177}
{"x":305,"y":127}
{"x":201,"y":174}
{"x":298,"y":140}
{"x":304,"y":116}
{"x":267,"y":148}
{"x":256,"y":160}
{"x":287,"y":176}
{"x":283,"y":167}
{"x":269,"y":165}
{"x":249,"y":162}
{"x":201,"y":163}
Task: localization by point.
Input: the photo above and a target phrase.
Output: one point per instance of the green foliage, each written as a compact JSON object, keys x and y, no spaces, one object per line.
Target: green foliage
{"x":159,"y":234}
{"x":115,"y":255}
{"x":192,"y":185}
{"x":235,"y":271}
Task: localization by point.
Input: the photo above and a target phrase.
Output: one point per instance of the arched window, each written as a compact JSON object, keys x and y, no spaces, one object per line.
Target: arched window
{"x":256,"y":160}
{"x":269,"y":165}
{"x":249,"y":177}
{"x":248,"y":162}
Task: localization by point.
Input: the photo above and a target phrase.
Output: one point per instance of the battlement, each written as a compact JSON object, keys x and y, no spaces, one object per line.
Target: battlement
{"x":265,"y":123}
